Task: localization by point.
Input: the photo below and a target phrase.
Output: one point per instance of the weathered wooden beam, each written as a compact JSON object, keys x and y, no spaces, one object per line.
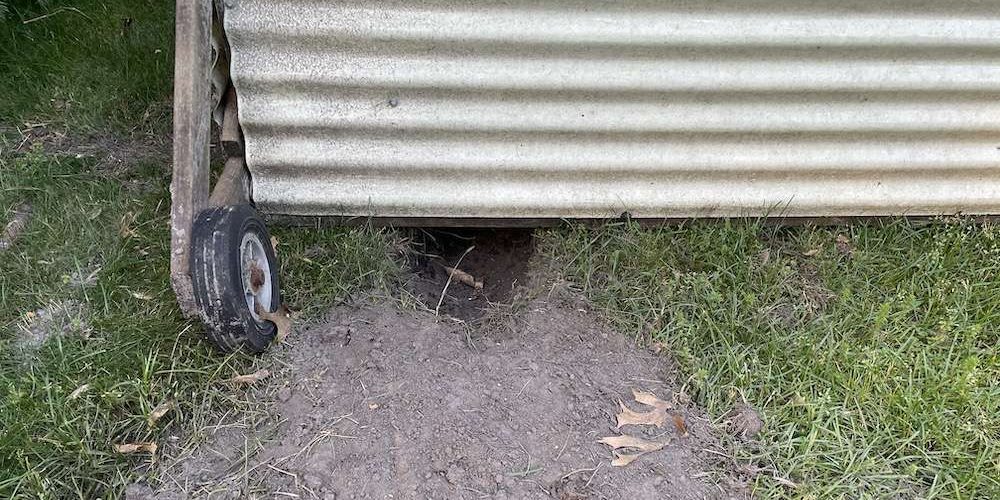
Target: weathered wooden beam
{"x":231,"y":135}
{"x":192,"y":128}
{"x":233,"y":186}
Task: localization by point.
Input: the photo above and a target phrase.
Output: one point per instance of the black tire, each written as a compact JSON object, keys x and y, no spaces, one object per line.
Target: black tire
{"x":217,"y":275}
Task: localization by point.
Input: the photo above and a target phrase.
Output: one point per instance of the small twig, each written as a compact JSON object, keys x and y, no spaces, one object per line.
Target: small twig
{"x":599,"y":465}
{"x":527,"y":467}
{"x":453,"y":363}
{"x":526,"y":472}
{"x":283,"y":471}
{"x":573,"y":473}
{"x":523,"y":388}
{"x":444,"y":291}
{"x":55,"y":12}
{"x":719,"y":453}
{"x":481,"y":493}
{"x":561,"y":450}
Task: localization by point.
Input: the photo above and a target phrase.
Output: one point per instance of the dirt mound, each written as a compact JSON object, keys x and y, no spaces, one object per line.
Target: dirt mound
{"x":383,"y":403}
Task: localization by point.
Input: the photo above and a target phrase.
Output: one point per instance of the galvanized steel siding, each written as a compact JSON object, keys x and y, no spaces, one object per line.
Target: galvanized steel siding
{"x":572,"y":108}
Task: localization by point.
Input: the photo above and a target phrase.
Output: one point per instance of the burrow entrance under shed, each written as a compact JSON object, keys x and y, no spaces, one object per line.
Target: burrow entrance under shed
{"x":484,"y":267}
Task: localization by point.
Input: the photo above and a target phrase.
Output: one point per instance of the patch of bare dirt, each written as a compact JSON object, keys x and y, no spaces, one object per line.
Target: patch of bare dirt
{"x":807,"y":296}
{"x":112,"y":151}
{"x":69,"y":317}
{"x":379,"y":402}
{"x":19,"y":218}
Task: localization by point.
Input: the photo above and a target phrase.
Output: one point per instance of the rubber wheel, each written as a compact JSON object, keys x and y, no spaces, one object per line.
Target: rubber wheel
{"x":232,"y":267}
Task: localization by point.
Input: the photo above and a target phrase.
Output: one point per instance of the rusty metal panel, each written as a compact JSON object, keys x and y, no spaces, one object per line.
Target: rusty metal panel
{"x":573,"y":108}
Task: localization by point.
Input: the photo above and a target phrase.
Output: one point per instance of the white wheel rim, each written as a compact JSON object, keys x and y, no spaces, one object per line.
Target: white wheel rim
{"x":255,"y":272}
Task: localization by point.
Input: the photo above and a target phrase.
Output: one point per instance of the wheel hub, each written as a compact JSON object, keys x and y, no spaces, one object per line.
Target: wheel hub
{"x":256,"y":274}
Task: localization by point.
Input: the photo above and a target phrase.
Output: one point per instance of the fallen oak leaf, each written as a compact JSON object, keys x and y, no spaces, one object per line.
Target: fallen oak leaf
{"x":628,"y":416}
{"x":158,"y":412}
{"x":650,"y":399}
{"x":657,"y":416}
{"x":142,"y":447}
{"x":642,"y":446}
{"x":281,"y":319}
{"x":250,"y":378}
{"x":626,"y":441}
{"x":623,"y":459}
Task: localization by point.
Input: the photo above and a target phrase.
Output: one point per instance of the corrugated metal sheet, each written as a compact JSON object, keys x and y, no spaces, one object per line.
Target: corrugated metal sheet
{"x":573,"y":108}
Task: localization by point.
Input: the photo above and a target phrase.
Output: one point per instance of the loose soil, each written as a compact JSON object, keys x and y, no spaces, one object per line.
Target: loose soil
{"x":379,"y":402}
{"x":496,"y":257}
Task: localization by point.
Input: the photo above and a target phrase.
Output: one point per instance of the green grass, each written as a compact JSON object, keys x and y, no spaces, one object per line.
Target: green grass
{"x":94,"y":67}
{"x":137,"y":354}
{"x":325,"y":267}
{"x":89,"y":66}
{"x":875,"y":366}
{"x":127,"y":340}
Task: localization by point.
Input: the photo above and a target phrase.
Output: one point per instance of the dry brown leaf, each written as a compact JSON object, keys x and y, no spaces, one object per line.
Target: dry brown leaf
{"x":274,"y":243}
{"x":281,"y":319}
{"x":79,"y":391}
{"x":623,"y":459}
{"x":464,"y":277}
{"x":811,"y":253}
{"x":658,"y":347}
{"x":143,"y":447}
{"x":159,"y":412}
{"x":250,"y":378}
{"x":628,"y":416}
{"x":649,"y":399}
{"x":680,"y":425}
{"x":657,"y":416}
{"x":641,"y":447}
{"x":625,"y":441}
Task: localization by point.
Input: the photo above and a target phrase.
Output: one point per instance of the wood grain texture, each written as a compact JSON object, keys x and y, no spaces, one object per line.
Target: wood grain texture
{"x":192,"y":127}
